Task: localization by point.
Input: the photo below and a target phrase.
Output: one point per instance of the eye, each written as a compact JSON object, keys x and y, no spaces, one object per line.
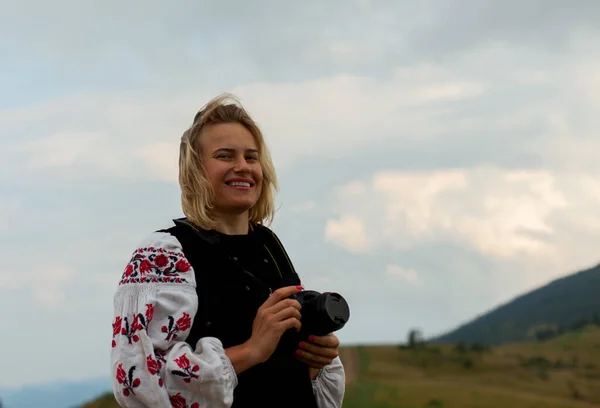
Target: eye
{"x":223,"y":156}
{"x":251,"y":158}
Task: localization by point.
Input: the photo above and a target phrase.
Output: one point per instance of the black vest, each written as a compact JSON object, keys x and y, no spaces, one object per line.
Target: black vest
{"x":228,"y":299}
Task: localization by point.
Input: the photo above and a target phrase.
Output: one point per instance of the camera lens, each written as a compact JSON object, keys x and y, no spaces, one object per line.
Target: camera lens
{"x":337,"y":309}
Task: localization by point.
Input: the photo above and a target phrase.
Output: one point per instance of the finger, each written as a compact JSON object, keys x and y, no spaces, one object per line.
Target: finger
{"x":314,"y":349}
{"x":329,"y":340}
{"x":281,"y":294}
{"x":286,"y":314}
{"x":284,"y":304}
{"x":311,"y":363}
{"x":291,"y":323}
{"x":313,"y":359}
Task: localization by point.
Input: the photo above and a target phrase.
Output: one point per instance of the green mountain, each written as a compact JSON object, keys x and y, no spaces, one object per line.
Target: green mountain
{"x":564,"y":304}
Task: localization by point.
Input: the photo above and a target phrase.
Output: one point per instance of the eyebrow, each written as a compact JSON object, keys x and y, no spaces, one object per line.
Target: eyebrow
{"x":230,"y":150}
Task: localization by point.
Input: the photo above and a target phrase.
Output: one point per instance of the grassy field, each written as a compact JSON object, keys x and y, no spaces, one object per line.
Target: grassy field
{"x":560,"y":373}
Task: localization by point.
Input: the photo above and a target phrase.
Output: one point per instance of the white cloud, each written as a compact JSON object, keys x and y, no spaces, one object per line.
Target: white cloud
{"x":59,"y":150}
{"x":353,"y":188}
{"x":499,"y":213}
{"x":48,"y":285}
{"x":8,"y":281}
{"x":337,"y":114}
{"x":448,"y":91}
{"x":534,"y":217}
{"x":408,"y":275}
{"x":135,"y":135}
{"x":106,"y":280}
{"x":411,"y":195}
{"x":344,"y":50}
{"x":305,"y":206}
{"x":349,"y":232}
{"x":9,"y":215}
{"x":444,"y":110}
{"x":161,"y":160}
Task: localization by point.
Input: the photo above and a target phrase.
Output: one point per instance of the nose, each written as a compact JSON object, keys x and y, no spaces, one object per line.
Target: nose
{"x":242,"y":166}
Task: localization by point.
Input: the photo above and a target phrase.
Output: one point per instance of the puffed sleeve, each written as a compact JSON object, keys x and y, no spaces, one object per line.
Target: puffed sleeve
{"x":330,"y":385}
{"x":154,"y":307}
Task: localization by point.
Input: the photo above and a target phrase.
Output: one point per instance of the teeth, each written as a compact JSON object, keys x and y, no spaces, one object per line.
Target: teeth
{"x":239,"y":184}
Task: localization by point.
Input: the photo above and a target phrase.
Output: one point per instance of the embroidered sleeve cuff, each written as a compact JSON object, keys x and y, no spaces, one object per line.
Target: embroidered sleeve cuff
{"x":228,"y":371}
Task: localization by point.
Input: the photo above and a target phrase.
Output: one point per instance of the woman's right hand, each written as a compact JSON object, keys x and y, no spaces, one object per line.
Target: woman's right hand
{"x":277,"y":315}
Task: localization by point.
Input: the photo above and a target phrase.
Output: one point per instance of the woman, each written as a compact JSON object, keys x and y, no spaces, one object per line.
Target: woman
{"x":203,"y":309}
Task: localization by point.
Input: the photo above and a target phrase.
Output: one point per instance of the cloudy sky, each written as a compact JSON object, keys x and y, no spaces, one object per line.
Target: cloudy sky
{"x":436,"y":158}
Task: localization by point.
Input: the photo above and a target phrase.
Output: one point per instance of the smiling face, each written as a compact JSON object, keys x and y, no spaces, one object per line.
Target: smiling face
{"x":230,"y":158}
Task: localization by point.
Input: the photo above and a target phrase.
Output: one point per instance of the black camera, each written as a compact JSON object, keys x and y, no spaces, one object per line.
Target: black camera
{"x":322,"y":313}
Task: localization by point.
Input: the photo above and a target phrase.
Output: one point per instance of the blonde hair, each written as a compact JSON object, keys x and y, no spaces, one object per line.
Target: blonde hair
{"x":196,"y":191}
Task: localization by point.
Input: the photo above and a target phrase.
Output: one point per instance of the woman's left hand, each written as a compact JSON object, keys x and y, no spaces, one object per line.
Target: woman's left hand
{"x":318,"y":351}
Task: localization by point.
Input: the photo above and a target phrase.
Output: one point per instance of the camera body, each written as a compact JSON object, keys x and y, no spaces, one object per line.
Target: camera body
{"x":322,"y":313}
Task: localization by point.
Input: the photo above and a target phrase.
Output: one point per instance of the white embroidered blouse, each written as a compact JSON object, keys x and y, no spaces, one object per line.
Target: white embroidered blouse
{"x":152,"y":365}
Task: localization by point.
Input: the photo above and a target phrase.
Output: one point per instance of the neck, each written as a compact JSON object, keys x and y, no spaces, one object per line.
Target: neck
{"x":233,"y":224}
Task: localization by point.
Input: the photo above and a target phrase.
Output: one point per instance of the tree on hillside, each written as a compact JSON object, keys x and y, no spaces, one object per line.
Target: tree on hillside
{"x":461,"y":347}
{"x":545,"y":334}
{"x":415,"y":338}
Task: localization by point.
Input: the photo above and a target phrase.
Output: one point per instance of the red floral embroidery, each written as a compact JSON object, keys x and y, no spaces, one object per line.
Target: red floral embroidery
{"x":161,"y":260}
{"x":116,"y":329}
{"x":152,"y":365}
{"x":153,"y":280}
{"x":165,"y":265}
{"x":153,"y":368}
{"x":188,"y":371}
{"x":145,"y":266}
{"x":140,"y":322}
{"x":128,"y":271}
{"x":182,"y":265}
{"x":177,"y":401}
{"x":174,"y":328}
{"x":149,"y":313}
{"x":127,"y":380}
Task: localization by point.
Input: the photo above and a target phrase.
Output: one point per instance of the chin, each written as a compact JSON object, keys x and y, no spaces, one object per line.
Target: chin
{"x":238,"y":207}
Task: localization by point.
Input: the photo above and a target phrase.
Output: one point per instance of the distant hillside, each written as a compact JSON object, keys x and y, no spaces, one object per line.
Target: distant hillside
{"x":54,"y":395}
{"x":562,"y":303}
